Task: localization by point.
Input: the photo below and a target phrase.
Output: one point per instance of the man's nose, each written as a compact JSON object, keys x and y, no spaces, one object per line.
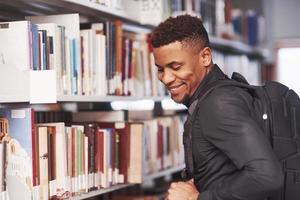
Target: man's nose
{"x":168,"y":77}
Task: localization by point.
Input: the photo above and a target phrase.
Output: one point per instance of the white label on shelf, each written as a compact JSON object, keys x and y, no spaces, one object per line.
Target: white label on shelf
{"x":73,"y":185}
{"x":115,"y":176}
{"x":103,"y":179}
{"x":36,"y":192}
{"x":68,"y":183}
{"x":81,"y":182}
{"x":110,"y":177}
{"x":118,"y":81}
{"x":4,"y":195}
{"x":85,"y":182}
{"x":79,"y":185}
{"x":91,"y":179}
{"x":52,"y":187}
{"x":76,"y":185}
{"x":45,"y":192}
{"x":158,"y":164}
{"x":121,"y":178}
{"x":112,"y":86}
{"x":119,"y":125}
{"x":18,"y":114}
{"x":97,"y":179}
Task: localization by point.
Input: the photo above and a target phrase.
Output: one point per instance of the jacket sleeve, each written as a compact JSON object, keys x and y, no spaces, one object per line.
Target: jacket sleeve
{"x":226,"y":122}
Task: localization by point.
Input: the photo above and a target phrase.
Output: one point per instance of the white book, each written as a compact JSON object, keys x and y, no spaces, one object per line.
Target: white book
{"x":41,"y":53}
{"x":67,"y":76}
{"x":87,"y":60}
{"x":15,"y":48}
{"x":136,"y":153}
{"x":2,"y":165}
{"x":61,"y":156}
{"x":43,"y":162}
{"x":99,"y":50}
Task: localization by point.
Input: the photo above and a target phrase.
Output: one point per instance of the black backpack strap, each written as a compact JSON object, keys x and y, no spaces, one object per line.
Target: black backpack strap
{"x":223,"y":83}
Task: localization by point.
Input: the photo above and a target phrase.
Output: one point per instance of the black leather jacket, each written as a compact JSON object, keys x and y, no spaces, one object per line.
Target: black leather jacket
{"x":232,"y":158}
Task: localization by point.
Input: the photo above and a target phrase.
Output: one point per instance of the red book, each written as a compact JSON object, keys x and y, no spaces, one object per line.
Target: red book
{"x":123,"y":129}
{"x":35,"y":152}
{"x":160,"y":145}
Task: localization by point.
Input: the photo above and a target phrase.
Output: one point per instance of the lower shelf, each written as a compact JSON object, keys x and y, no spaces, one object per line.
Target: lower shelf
{"x":101,"y":191}
{"x":121,"y":186}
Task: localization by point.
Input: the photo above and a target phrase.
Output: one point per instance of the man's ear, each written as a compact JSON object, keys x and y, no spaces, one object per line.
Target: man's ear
{"x":206,"y":56}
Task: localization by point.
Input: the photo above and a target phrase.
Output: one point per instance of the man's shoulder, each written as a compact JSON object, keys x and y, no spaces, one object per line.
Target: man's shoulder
{"x":220,"y":94}
{"x":222,"y":97}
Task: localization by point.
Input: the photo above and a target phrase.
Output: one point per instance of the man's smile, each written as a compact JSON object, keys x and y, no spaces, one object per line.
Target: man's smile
{"x":176,"y":88}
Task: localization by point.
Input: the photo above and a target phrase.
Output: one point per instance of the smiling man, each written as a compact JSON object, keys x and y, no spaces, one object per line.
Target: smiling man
{"x":227,"y":154}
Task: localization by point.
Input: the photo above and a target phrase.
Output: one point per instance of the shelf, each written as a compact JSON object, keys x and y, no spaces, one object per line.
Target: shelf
{"x":19,"y":8}
{"x":81,"y":98}
{"x":101,"y":191}
{"x":121,"y":186}
{"x":238,"y":47}
{"x":164,"y":172}
{"x":13,"y":99}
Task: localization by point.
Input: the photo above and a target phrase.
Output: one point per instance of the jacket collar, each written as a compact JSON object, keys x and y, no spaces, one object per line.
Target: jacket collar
{"x":214,"y":75}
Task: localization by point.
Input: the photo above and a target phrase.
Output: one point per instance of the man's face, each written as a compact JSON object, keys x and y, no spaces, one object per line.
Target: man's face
{"x":180,"y":69}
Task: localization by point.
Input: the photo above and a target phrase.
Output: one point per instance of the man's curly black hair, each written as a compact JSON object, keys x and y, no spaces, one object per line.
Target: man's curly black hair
{"x":186,"y":29}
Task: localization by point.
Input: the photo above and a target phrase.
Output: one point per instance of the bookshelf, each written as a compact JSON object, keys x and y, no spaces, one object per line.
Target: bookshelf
{"x":159,"y":174}
{"x":237,"y":47}
{"x":100,"y":192}
{"x":34,"y":88}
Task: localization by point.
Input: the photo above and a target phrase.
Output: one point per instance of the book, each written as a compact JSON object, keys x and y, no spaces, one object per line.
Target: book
{"x":15,"y":48}
{"x":43,"y":162}
{"x":135,"y":174}
{"x":19,"y":170}
{"x":100,"y":81}
{"x":3,"y":147}
{"x":57,"y":151}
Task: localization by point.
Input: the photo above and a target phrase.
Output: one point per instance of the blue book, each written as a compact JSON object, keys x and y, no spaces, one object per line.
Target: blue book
{"x":252,"y":22}
{"x":35,"y":46}
{"x":74,"y":66}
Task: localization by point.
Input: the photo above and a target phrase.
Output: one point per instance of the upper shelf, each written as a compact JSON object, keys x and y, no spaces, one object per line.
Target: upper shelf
{"x":237,"y":47}
{"x":17,"y":9}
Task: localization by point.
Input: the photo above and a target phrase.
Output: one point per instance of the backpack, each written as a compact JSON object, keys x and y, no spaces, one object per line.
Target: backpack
{"x":278,"y":112}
